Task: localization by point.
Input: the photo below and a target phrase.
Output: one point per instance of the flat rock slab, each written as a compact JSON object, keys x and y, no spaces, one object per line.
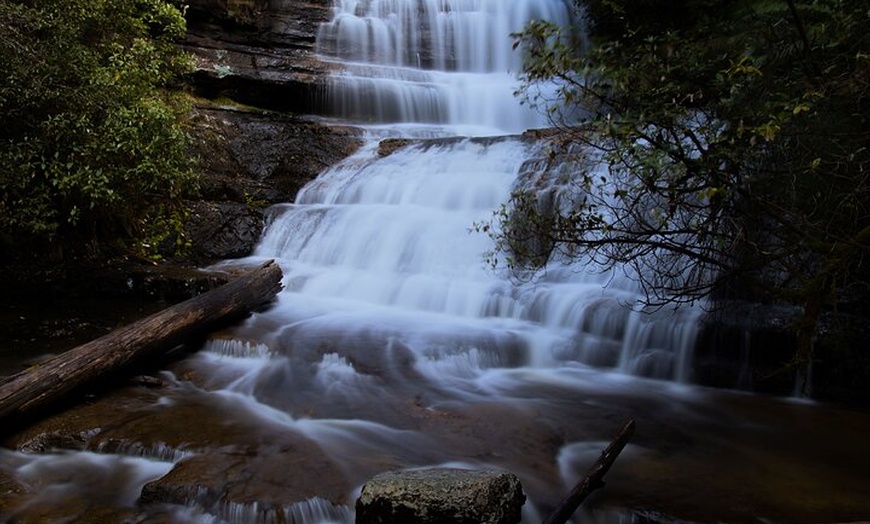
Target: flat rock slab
{"x":441,"y":496}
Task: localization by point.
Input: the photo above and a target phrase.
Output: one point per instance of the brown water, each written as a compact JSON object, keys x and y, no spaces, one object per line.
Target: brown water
{"x":698,"y":455}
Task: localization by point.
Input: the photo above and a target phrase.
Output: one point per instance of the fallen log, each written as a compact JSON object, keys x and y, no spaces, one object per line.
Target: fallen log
{"x":52,"y":382}
{"x":594,"y":477}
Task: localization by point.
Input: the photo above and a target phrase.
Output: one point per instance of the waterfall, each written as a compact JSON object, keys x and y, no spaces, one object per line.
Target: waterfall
{"x":379,"y":250}
{"x":431,"y":61}
{"x":390,"y":313}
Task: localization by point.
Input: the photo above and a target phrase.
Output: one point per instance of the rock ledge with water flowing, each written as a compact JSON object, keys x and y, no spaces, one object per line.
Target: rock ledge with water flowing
{"x":441,"y":496}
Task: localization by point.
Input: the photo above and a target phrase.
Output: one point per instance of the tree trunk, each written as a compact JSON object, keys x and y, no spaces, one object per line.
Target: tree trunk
{"x":34,"y":390}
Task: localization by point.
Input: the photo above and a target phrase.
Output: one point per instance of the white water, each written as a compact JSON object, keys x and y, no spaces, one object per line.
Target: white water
{"x":84,"y":476}
{"x":446,"y":62}
{"x":381,"y":250}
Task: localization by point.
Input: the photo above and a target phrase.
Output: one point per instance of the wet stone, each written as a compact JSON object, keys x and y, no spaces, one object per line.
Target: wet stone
{"x":55,"y":440}
{"x":441,"y":496}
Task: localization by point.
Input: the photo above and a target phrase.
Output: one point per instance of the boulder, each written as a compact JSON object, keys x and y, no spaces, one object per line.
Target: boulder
{"x":441,"y":496}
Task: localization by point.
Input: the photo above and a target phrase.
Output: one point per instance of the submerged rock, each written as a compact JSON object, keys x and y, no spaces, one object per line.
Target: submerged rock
{"x":441,"y":496}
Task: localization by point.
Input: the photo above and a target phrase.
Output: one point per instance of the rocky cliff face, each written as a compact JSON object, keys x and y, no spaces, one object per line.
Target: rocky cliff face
{"x":255,"y":65}
{"x":258,"y":52}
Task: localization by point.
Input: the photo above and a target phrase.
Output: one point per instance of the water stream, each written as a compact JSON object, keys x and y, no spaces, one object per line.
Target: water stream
{"x":395,"y":345}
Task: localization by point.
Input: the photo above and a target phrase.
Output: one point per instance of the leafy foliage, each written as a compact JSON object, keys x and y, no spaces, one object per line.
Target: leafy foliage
{"x":736,"y":141}
{"x":92,"y":147}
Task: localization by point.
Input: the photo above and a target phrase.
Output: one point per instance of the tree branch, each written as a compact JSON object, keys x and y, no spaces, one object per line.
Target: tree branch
{"x":594,"y":477}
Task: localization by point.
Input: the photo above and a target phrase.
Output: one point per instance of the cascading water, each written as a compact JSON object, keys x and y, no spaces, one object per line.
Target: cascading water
{"x":432,"y":62}
{"x":385,"y":239}
{"x":388,"y":298}
{"x":379,"y":250}
{"x":387,"y":294}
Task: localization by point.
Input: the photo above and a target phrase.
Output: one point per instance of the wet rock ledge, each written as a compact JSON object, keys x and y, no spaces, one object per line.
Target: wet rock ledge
{"x":251,"y":159}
